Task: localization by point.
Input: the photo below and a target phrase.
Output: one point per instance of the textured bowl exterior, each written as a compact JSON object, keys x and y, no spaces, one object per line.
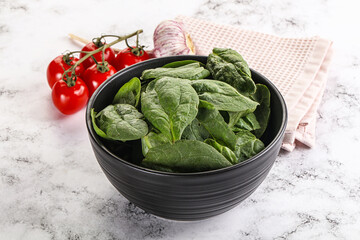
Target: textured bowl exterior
{"x":182,"y":196}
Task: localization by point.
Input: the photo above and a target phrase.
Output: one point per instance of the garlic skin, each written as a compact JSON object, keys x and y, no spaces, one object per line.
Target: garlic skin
{"x":170,"y":38}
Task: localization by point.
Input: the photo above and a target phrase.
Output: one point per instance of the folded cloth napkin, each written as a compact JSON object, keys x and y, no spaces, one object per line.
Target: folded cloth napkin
{"x":297,"y":66}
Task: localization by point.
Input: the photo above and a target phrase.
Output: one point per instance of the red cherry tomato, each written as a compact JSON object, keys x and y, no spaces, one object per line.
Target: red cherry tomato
{"x":126,"y":58}
{"x":94,"y":77}
{"x":109,"y":55}
{"x":69,"y":100}
{"x":56,"y":68}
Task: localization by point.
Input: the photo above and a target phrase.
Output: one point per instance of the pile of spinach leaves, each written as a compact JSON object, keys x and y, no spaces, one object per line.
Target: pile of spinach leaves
{"x":189,"y":116}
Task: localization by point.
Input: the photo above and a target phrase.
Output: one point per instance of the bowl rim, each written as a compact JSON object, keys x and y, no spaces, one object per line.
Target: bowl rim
{"x":92,"y":133}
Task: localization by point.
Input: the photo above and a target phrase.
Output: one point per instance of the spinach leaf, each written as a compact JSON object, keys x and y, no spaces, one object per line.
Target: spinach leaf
{"x":258,"y":120}
{"x":247,"y":145}
{"x":185,"y":156}
{"x":189,"y":71}
{"x":120,"y":122}
{"x":223,"y":96}
{"x":228,"y":65}
{"x":225,"y":151}
{"x":181,"y":63}
{"x":195,"y":131}
{"x":262,"y":112}
{"x":215,"y":124}
{"x":170,"y":105}
{"x":157,"y":167}
{"x":129,"y":93}
{"x":96,"y":128}
{"x":153,"y":139}
{"x":234,"y":117}
{"x":248,"y":122}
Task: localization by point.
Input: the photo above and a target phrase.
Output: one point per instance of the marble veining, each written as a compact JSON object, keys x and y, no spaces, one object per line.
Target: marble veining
{"x":51,"y":186}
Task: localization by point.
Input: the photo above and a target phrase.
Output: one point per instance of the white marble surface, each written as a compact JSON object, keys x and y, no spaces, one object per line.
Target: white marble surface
{"x":51,"y":186}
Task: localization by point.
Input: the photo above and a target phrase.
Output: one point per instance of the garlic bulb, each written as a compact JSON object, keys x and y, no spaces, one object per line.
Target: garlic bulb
{"x":170,"y":38}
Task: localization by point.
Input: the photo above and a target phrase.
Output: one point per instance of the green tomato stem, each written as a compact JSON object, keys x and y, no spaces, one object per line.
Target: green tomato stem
{"x":102,"y":48}
{"x":108,"y":35}
{"x":77,"y":52}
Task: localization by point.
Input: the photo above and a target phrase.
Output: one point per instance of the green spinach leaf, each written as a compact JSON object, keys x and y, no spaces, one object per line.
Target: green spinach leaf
{"x":129,"y":93}
{"x":157,"y":167}
{"x":153,"y":139}
{"x":120,"y":122}
{"x":262,"y":112}
{"x":247,"y":145}
{"x":225,"y":151}
{"x":234,"y":117}
{"x":96,"y":128}
{"x":181,"y":63}
{"x":248,"y":122}
{"x":170,"y":105}
{"x":195,"y":131}
{"x":223,"y":96}
{"x":214,"y":123}
{"x":228,"y":65}
{"x":185,"y":156}
{"x":189,"y":71}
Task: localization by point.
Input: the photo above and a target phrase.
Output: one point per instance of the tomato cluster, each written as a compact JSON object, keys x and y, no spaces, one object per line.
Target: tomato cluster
{"x":71,"y":91}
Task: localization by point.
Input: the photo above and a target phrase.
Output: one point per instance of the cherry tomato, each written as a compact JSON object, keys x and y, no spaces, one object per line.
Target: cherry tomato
{"x":93,"y":77}
{"x":128,"y":57}
{"x":56,"y":68}
{"x":69,"y":100}
{"x":109,"y":55}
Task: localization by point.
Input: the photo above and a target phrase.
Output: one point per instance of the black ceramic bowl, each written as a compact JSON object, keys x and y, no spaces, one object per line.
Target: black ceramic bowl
{"x":182,"y":196}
